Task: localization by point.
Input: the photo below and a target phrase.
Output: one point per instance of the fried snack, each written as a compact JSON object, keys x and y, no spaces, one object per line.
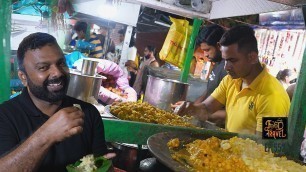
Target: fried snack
{"x":77,"y":106}
{"x":144,"y":112}
{"x":235,"y":154}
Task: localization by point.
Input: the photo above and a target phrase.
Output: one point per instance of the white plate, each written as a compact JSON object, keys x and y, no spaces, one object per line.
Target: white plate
{"x":108,"y":113}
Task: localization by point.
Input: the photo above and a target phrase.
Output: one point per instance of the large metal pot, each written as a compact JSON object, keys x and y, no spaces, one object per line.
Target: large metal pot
{"x":164,"y":92}
{"x":84,"y":87}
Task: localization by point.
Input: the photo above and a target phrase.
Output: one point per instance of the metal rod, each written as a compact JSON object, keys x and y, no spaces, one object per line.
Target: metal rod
{"x":5,"y":49}
{"x":195,"y":30}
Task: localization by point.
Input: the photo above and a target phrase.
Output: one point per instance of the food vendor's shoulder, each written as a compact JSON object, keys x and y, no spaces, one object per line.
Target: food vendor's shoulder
{"x":272,"y":85}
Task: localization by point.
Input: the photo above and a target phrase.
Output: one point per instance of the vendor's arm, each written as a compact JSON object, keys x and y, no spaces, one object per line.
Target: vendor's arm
{"x":201,"y":98}
{"x":111,"y":68}
{"x":108,"y":97}
{"x":218,"y":118}
{"x":202,"y":111}
{"x":216,"y":101}
{"x":28,"y":155}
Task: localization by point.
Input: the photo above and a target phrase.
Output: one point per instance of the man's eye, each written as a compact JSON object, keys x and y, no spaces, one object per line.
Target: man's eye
{"x":43,"y":68}
{"x":63,"y":64}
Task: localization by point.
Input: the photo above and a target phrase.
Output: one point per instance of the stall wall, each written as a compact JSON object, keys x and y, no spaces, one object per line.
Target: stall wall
{"x":155,"y":39}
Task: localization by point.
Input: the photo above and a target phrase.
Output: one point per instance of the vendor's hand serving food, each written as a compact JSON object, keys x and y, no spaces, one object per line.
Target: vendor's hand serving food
{"x":191,"y":109}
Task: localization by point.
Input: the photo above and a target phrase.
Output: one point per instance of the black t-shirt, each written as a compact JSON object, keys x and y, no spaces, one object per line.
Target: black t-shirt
{"x":19,"y":118}
{"x":215,"y":77}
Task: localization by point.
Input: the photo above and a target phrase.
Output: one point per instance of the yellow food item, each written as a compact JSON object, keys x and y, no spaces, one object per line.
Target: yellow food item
{"x":174,"y":143}
{"x":235,"y":154}
{"x":144,"y":112}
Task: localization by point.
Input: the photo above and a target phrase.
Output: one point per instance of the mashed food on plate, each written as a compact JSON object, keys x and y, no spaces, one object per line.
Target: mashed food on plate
{"x":87,"y":164}
{"x":235,"y":154}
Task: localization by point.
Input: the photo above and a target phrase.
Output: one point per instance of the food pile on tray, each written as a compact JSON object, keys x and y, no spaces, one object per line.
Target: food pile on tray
{"x":144,"y":112}
{"x":235,"y":154}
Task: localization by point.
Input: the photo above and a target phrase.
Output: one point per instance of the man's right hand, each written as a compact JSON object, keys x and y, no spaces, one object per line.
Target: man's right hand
{"x":191,"y":109}
{"x":175,"y":107}
{"x":63,"y":124}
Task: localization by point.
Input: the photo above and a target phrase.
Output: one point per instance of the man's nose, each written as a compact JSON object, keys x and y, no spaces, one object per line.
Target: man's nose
{"x":227,"y":66}
{"x":56,"y":71}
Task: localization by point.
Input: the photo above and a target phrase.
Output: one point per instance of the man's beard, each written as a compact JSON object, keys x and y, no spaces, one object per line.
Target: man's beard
{"x":42,"y":92}
{"x":217,"y":58}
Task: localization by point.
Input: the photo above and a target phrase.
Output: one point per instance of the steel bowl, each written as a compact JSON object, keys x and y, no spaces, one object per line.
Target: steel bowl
{"x":164,"y":92}
{"x":84,"y":87}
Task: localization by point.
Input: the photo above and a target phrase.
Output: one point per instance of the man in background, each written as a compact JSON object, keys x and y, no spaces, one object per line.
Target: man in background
{"x":83,"y":32}
{"x":208,"y":40}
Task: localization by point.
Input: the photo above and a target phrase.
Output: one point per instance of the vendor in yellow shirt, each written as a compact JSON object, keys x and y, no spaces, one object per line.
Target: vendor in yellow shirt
{"x":248,"y":92}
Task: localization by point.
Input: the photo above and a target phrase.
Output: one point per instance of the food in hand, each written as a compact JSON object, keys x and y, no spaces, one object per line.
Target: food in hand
{"x":77,"y":106}
{"x":235,"y":154}
{"x":89,"y":163}
{"x":144,"y":112}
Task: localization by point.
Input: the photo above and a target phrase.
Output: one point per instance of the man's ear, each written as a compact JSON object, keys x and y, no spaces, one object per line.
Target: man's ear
{"x":23,"y":77}
{"x":253,"y":57}
{"x":218,"y":46}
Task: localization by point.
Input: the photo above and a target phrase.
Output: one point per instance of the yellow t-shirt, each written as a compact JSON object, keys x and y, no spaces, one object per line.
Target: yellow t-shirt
{"x":264,"y":97}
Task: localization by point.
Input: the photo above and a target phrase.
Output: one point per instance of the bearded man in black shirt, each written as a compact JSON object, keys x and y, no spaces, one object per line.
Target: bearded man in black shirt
{"x":41,"y":129}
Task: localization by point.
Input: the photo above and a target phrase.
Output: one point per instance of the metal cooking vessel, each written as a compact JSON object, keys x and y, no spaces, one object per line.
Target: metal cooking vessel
{"x":84,"y":87}
{"x":164,"y":92}
{"x":89,"y":66}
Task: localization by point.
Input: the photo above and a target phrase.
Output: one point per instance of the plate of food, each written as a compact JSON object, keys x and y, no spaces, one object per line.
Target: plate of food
{"x":206,"y":152}
{"x":107,"y":111}
{"x":89,"y":163}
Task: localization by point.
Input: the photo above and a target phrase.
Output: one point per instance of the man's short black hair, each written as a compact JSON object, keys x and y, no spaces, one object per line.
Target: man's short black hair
{"x":243,"y":35}
{"x":121,"y":31}
{"x":210,"y":34}
{"x":32,"y":42}
{"x":80,"y":26}
{"x":151,"y":48}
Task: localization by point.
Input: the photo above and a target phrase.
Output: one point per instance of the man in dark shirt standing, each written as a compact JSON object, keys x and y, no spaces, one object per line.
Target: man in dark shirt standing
{"x":41,"y":129}
{"x":208,"y":39}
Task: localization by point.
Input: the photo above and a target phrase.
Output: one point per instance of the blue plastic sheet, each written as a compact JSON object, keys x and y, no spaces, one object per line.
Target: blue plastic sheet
{"x":72,"y":57}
